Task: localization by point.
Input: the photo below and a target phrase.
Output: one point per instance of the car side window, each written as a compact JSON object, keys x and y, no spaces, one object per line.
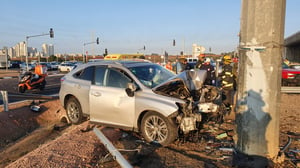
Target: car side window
{"x":85,"y":74}
{"x":117,"y":78}
{"x":99,"y":76}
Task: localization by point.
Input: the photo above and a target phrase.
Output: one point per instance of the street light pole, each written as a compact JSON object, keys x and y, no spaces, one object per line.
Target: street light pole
{"x":27,"y":53}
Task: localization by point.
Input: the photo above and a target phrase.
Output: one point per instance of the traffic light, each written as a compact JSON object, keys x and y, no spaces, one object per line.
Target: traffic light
{"x":51,"y":33}
{"x":105,"y":52}
{"x":97,"y":41}
{"x":144,"y":48}
{"x":174,"y":42}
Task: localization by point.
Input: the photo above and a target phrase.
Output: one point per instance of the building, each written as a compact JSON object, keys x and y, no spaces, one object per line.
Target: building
{"x":47,"y":50}
{"x":51,"y":49}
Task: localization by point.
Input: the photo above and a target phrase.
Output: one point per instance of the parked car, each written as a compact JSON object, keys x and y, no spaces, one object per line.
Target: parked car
{"x":140,"y":96}
{"x":66,"y":67}
{"x":15,"y":64}
{"x":46,"y":64}
{"x":23,"y":66}
{"x":54,"y":65}
{"x":290,"y":76}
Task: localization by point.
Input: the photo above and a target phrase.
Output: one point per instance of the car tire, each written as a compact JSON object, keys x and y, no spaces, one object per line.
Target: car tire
{"x":74,"y":111}
{"x":158,"y":129}
{"x":22,"y":89}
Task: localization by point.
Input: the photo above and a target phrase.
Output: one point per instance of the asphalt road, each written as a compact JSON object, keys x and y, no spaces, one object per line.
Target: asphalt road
{"x":11,"y":86}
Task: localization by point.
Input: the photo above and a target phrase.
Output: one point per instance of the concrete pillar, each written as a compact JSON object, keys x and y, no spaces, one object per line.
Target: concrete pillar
{"x":258,"y":97}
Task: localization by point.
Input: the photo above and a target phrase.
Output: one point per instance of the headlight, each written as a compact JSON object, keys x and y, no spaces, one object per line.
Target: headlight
{"x":290,"y":76}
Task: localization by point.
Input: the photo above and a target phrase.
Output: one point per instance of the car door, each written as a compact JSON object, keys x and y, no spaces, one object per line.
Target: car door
{"x":81,"y":83}
{"x":109,"y":102}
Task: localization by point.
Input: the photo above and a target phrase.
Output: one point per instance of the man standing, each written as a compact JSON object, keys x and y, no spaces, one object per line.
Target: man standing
{"x":228,"y":82}
{"x":185,"y":65}
{"x":200,"y":61}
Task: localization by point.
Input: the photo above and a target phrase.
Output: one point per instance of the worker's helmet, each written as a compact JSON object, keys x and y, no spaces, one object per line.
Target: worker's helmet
{"x":207,"y":60}
{"x":227,"y":59}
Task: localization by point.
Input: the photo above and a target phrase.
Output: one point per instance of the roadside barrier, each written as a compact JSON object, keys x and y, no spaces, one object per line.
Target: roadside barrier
{"x":4,"y":98}
{"x":290,"y":89}
{"x":114,"y":152}
{"x":5,"y":95}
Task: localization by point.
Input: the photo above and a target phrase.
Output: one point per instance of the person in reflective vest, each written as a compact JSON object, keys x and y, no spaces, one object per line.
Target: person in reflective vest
{"x":228,"y":82}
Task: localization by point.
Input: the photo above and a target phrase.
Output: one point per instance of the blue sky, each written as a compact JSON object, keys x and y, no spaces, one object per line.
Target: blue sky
{"x":125,"y":26}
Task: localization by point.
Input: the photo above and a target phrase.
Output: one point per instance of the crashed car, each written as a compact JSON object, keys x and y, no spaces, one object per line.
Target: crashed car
{"x":139,"y":96}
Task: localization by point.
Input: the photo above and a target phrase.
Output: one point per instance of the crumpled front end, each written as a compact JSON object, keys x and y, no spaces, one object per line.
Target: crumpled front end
{"x":200,"y":100}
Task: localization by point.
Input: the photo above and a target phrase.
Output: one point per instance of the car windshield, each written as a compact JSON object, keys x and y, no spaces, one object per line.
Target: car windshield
{"x":151,"y":75}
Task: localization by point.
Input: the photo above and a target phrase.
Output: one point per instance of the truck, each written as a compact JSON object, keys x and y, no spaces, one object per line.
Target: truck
{"x":4,"y":60}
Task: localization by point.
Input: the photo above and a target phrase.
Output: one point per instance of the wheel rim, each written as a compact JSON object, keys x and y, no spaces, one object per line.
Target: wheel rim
{"x":73,"y":111}
{"x":156,"y":129}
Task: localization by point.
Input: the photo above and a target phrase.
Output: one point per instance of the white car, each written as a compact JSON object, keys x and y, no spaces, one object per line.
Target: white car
{"x":139,"y":96}
{"x":54,"y":65}
{"x":23,"y":67}
{"x":66,"y":67}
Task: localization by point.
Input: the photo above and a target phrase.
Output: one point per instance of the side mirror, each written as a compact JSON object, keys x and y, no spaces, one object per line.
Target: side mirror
{"x":130,"y":89}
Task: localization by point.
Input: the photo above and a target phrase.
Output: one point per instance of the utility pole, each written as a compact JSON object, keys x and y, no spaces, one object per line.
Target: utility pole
{"x":259,"y":82}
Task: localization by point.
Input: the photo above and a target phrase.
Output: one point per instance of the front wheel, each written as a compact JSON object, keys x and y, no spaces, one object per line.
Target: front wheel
{"x":73,"y":110}
{"x":22,"y":88}
{"x":159,"y":129}
{"x":43,"y":84}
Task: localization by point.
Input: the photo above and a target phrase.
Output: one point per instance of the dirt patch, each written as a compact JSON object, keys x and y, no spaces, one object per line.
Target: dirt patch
{"x":49,"y":144}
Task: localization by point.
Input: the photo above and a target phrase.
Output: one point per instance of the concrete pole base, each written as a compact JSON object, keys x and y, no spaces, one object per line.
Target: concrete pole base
{"x":250,"y":161}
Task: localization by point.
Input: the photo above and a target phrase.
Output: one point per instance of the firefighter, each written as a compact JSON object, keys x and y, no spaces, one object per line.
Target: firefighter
{"x":228,"y":82}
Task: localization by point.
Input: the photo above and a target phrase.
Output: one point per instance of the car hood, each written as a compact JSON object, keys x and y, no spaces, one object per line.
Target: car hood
{"x":182,"y":85}
{"x":289,"y":70}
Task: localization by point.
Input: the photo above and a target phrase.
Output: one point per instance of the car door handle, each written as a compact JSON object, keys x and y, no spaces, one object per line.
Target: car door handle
{"x":97,"y":94}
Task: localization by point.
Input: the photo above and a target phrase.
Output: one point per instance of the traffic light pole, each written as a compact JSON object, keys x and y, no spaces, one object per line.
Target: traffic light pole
{"x":51,"y":33}
{"x":83,"y":50}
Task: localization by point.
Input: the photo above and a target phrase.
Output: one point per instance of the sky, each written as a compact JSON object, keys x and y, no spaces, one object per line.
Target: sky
{"x":126,"y":26}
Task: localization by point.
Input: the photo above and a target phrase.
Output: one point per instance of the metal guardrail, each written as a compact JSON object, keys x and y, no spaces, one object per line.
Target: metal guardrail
{"x":114,"y":152}
{"x":31,"y":96}
{"x":290,"y":89}
{"x":4,"y":96}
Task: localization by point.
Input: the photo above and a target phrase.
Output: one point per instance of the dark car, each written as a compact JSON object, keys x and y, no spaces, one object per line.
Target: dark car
{"x":15,"y":64}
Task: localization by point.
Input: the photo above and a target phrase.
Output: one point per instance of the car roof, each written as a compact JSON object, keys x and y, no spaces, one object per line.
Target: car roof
{"x":125,"y":63}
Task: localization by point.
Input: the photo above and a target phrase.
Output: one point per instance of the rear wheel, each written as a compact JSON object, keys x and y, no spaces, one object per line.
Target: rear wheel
{"x":73,"y":110}
{"x":159,"y":129}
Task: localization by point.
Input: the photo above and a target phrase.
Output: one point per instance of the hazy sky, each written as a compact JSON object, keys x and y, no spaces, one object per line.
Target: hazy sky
{"x":125,"y":26}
